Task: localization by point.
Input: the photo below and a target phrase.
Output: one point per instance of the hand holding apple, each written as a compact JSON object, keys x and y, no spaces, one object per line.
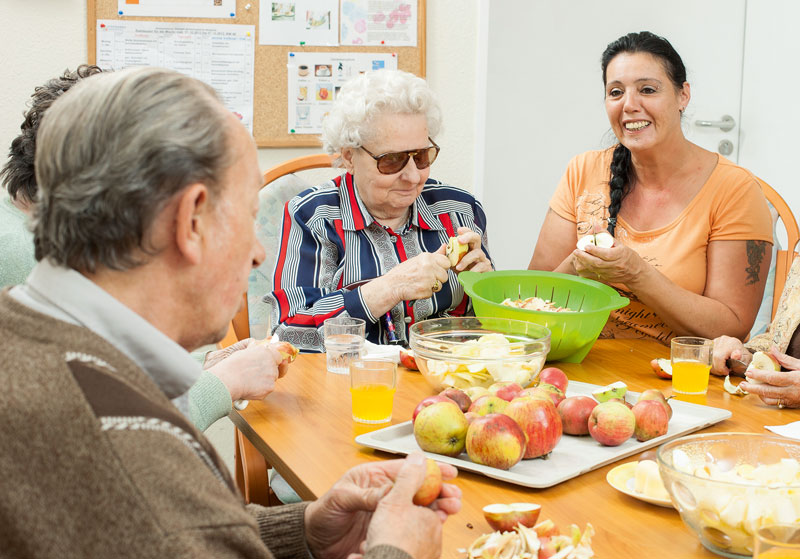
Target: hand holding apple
{"x":618,"y":264}
{"x":775,"y":387}
{"x":473,"y":259}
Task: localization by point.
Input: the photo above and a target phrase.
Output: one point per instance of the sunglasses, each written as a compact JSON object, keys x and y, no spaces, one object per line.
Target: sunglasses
{"x":395,"y":161}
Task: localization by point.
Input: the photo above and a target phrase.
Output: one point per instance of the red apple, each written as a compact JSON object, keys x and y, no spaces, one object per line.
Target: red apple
{"x":441,"y":428}
{"x":651,"y":420}
{"x":539,"y":421}
{"x":488,"y":404}
{"x":611,"y":423}
{"x":287,"y":351}
{"x":504,"y":518}
{"x":621,"y":401}
{"x":408,"y":359}
{"x":471,"y":416}
{"x":427,"y":402}
{"x":662,"y":368}
{"x":575,"y":412}
{"x":458,"y":396}
{"x":495,"y":440}
{"x":554,"y":376}
{"x":547,"y":392}
{"x":654,"y":394}
{"x":506,"y":390}
{"x":431,"y":486}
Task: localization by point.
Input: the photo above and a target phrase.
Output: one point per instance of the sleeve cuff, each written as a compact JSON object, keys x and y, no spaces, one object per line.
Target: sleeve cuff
{"x":209,"y":400}
{"x":355,"y":306}
{"x":386,"y":552}
{"x":282,"y":529}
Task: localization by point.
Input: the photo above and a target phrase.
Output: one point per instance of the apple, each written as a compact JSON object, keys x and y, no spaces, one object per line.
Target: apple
{"x":488,"y":404}
{"x":504,"y":518}
{"x":546,"y":529}
{"x":287,"y":351}
{"x":554,"y":376}
{"x":441,"y":428}
{"x":458,"y":396}
{"x":611,"y":423}
{"x":655,"y":394}
{"x":602,"y":239}
{"x":662,"y":368}
{"x":614,"y":390}
{"x":547,"y":392}
{"x":621,"y":401}
{"x":427,"y":402}
{"x":495,"y":440}
{"x":575,"y":412}
{"x":539,"y":421}
{"x":408,"y":359}
{"x":471,"y":416}
{"x":651,"y":420}
{"x":455,"y":251}
{"x":431,"y":485}
{"x":475,"y":392}
{"x":763,"y":361}
{"x":507,"y":390}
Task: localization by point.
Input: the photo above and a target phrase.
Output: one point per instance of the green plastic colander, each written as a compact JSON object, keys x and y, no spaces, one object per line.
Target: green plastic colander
{"x":572,"y":333}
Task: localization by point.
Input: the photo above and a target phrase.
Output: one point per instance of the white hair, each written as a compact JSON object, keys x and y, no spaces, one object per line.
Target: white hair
{"x":367,"y":96}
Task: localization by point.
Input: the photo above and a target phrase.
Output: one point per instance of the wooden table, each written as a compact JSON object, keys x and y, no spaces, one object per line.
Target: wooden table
{"x":305,"y":431}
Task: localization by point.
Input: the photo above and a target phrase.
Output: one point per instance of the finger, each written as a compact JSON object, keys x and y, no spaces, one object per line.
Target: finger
{"x":766,"y":391}
{"x":441,"y":250}
{"x":773,"y":378}
{"x":448,"y":472}
{"x":409,"y":478}
{"x":283,"y":368}
{"x":786,"y":361}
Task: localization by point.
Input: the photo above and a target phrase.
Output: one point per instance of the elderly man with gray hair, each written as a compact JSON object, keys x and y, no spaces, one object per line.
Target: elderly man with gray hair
{"x":144,"y":236}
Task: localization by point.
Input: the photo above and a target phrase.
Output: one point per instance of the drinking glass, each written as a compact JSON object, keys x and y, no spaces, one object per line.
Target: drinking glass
{"x":344,"y":342}
{"x":372,"y":386}
{"x":691,"y":364}
{"x":778,"y":541}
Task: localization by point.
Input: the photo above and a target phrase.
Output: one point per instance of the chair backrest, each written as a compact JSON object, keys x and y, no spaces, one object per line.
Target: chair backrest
{"x":784,"y":256}
{"x":280,"y":186}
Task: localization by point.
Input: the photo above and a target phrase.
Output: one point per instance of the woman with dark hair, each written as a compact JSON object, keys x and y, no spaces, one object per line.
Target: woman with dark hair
{"x":692,"y":230}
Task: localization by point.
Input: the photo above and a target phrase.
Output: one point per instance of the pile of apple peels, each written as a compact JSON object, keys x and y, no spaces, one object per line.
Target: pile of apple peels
{"x":540,"y":542}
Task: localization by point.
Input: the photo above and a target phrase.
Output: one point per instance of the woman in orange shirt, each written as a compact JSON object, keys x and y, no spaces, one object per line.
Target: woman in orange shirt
{"x":691,"y":230}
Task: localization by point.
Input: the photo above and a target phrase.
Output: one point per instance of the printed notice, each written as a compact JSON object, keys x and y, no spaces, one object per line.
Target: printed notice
{"x":177,"y":8}
{"x":221,"y":55}
{"x":379,"y":23}
{"x":299,"y":23}
{"x":315,"y":79}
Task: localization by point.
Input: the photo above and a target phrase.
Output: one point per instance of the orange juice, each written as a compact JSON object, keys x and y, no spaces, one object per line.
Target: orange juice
{"x":690,"y":377}
{"x":372,"y":403}
{"x":777,"y":553}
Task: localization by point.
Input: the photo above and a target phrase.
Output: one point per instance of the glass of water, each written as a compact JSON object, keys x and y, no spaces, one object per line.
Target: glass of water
{"x":344,"y":342}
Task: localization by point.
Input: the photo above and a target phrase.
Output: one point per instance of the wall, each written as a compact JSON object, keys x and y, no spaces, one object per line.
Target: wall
{"x":42,"y":38}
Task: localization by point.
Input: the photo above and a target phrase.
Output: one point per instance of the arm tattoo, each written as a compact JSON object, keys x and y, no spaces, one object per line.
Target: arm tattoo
{"x":755,"y":255}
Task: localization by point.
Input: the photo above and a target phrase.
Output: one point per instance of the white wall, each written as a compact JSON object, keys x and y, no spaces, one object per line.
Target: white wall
{"x":42,"y":38}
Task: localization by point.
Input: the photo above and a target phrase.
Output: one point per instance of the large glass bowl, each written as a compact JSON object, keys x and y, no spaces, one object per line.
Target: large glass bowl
{"x":728,"y":485}
{"x":469,"y":351}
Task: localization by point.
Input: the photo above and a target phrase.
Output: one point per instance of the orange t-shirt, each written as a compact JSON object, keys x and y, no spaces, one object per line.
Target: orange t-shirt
{"x":730,"y":206}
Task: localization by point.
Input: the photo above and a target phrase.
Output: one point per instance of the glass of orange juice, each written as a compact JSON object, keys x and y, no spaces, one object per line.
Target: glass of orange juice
{"x":372,"y":386}
{"x":778,"y":541}
{"x":691,"y":364}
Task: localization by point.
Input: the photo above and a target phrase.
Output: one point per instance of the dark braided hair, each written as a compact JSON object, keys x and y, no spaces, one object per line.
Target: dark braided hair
{"x":622,"y":172}
{"x":18,"y":172}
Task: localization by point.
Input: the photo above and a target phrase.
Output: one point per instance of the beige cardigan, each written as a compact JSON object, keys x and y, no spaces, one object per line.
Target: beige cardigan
{"x":787,"y":316}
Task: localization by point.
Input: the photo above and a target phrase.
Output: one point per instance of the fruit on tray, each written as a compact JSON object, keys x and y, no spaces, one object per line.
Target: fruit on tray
{"x":611,"y":423}
{"x":602,"y":239}
{"x":506,"y":389}
{"x":441,"y":428}
{"x":488,"y":404}
{"x":662,"y":367}
{"x":763,"y":361}
{"x":647,"y":480}
{"x":575,"y":412}
{"x":504,"y":518}
{"x":545,"y":391}
{"x":614,"y":390}
{"x":455,"y":251}
{"x":658,"y":396}
{"x":495,"y":440}
{"x":651,"y":420}
{"x":540,"y":422}
{"x":427,"y":402}
{"x":554,"y":376}
{"x":524,"y":542}
{"x":458,"y":396}
{"x":431,"y":486}
{"x":408,"y":359}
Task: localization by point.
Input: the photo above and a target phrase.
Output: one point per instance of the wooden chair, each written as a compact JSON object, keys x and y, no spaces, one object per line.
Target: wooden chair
{"x":251,"y":467}
{"x":784,"y":257}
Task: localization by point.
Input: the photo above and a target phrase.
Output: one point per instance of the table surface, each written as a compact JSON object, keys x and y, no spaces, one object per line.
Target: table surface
{"x":305,"y":431}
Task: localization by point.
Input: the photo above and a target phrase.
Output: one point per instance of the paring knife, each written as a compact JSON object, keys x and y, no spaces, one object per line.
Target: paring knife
{"x":736,"y":367}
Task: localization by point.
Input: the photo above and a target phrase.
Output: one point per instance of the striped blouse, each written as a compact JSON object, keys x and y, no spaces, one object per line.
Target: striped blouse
{"x":331,"y":245}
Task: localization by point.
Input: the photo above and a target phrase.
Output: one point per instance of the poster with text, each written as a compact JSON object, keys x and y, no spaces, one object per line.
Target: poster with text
{"x":220,"y":55}
{"x":177,"y":8}
{"x":391,"y":23}
{"x":315,"y":79}
{"x":300,"y":22}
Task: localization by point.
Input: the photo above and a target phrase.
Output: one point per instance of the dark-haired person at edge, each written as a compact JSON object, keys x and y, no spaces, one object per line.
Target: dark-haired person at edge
{"x":692,"y":231}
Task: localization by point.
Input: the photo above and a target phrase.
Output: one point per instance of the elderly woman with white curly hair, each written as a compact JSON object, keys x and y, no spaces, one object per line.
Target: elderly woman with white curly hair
{"x":371,"y":243}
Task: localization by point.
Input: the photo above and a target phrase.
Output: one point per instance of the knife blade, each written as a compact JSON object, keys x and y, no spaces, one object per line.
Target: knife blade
{"x":736,"y":367}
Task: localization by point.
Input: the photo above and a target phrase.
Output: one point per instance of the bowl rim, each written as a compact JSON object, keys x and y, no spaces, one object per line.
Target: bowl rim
{"x":723,"y":435}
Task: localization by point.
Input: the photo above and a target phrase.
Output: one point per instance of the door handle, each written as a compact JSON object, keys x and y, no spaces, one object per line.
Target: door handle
{"x":726,"y":124}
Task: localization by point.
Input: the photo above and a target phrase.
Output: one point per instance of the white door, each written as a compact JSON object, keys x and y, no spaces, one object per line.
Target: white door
{"x":544,"y":95}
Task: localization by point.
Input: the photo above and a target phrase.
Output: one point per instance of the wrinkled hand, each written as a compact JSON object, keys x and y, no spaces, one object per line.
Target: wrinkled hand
{"x":618,"y":264}
{"x":372,"y":503}
{"x":416,"y":277}
{"x":726,"y":347}
{"x":475,"y":260}
{"x":780,"y":387}
{"x":248,"y":369}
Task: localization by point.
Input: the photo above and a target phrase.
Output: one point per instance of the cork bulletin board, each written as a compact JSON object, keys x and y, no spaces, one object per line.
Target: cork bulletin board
{"x":270,"y":102}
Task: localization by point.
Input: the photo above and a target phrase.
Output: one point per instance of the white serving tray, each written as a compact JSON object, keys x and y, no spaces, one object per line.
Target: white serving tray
{"x":572,"y":456}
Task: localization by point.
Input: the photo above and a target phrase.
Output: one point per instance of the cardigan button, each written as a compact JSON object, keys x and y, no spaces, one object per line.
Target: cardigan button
{"x":407,"y":320}
{"x":393,"y":238}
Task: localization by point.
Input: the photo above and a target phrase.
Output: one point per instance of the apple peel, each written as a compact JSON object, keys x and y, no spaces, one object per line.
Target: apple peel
{"x":455,"y":251}
{"x":504,"y":518}
{"x":735,"y":390}
{"x":525,"y":542}
{"x":662,"y":368}
{"x":408,"y":359}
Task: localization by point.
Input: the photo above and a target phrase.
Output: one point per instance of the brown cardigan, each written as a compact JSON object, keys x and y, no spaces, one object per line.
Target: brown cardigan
{"x":96,"y":461}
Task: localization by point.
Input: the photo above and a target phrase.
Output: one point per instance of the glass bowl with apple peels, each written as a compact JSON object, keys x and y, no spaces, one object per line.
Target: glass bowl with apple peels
{"x":728,"y":485}
{"x":574,"y":309}
{"x":461,"y":352}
